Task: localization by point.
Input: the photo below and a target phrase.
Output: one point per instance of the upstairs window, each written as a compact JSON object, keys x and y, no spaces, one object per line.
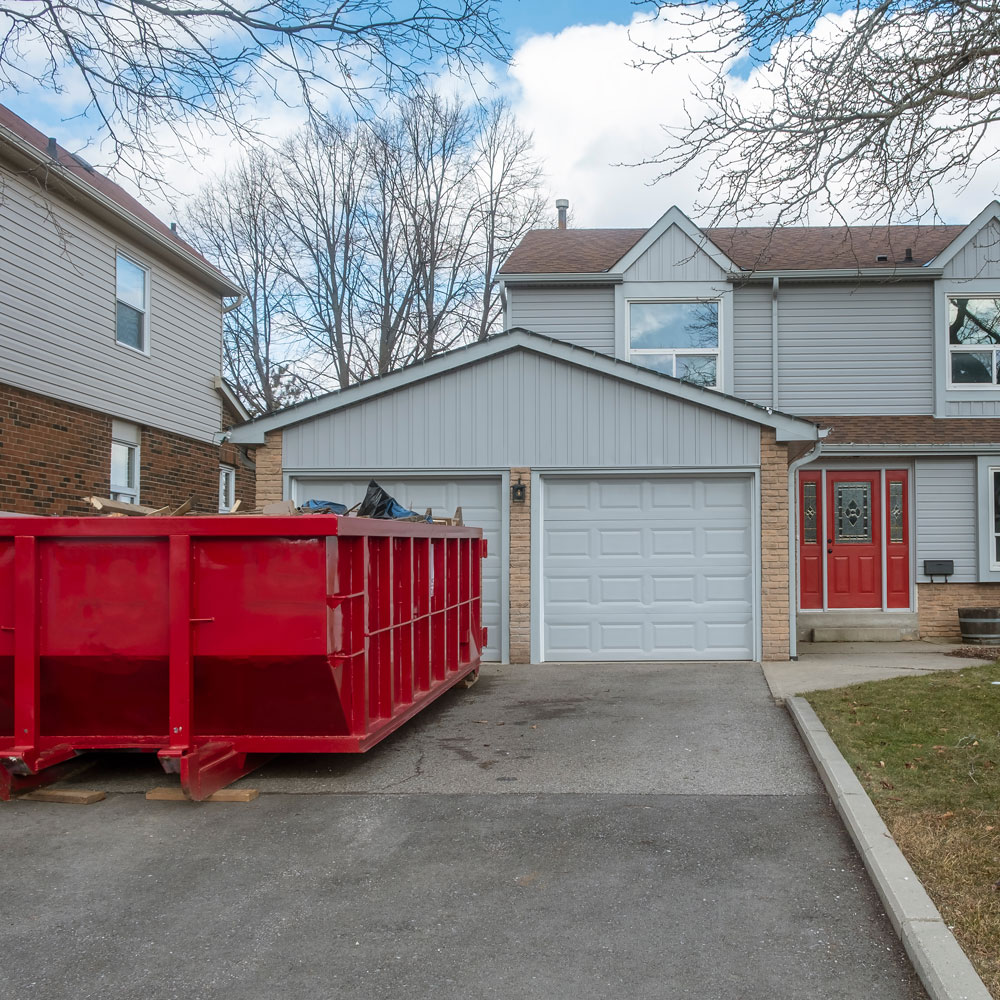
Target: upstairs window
{"x":676,"y":338}
{"x":974,"y":341}
{"x":131,"y":328}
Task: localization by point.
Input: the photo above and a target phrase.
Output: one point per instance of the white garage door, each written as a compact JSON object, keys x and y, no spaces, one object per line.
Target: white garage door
{"x":480,"y":503}
{"x":656,"y":569}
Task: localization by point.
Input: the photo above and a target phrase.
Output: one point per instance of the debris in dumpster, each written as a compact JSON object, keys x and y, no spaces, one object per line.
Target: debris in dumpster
{"x":280,"y":507}
{"x":323,"y":507}
{"x":377,"y":503}
{"x":105,"y":505}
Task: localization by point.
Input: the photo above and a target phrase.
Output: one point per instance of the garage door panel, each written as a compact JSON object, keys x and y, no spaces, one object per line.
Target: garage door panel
{"x":657,"y":569}
{"x":479,"y":499}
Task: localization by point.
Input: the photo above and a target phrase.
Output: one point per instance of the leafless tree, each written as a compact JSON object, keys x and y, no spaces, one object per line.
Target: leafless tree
{"x":235,"y":221}
{"x":508,"y":180}
{"x":322,"y":200}
{"x":151,"y":65}
{"x":872,"y":106}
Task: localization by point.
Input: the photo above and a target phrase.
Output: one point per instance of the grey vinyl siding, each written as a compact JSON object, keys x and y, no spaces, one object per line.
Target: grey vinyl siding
{"x":980,"y":257}
{"x":674,"y":257}
{"x":856,"y":349}
{"x":521,"y":409}
{"x":752,"y":344}
{"x":972,"y":408}
{"x":581,"y":315}
{"x":57,"y":320}
{"x":945,"y":494}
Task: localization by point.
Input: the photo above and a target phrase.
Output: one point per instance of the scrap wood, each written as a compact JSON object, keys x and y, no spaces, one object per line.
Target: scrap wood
{"x":280,"y":507}
{"x":235,"y":507}
{"x":65,"y":796}
{"x":105,"y":505}
{"x":176,"y":794}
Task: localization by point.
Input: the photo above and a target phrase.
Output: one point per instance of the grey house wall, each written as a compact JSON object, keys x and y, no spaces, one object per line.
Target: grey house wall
{"x":945,"y":517}
{"x":674,"y":257}
{"x":856,"y":349}
{"x":980,"y":257}
{"x":752,"y":368}
{"x":521,"y":409}
{"x":582,"y":315}
{"x":57,"y":320}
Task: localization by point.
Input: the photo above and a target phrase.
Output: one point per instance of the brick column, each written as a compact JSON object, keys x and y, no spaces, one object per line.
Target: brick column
{"x":270,"y":484}
{"x":774,"y":545}
{"x":520,"y":571}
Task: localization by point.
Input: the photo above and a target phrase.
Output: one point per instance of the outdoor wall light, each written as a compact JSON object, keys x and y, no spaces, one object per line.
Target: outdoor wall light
{"x":518,"y":492}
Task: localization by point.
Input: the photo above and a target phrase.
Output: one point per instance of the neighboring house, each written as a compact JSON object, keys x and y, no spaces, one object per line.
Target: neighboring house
{"x":700,"y":444}
{"x":110,"y":345}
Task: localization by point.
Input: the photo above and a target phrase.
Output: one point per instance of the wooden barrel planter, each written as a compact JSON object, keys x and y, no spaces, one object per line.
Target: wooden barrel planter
{"x":980,"y":626}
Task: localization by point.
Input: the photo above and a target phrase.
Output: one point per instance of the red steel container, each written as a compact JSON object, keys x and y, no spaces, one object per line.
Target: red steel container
{"x":216,"y":641}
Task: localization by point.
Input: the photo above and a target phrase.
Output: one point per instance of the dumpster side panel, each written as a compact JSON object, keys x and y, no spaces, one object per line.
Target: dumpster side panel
{"x":6,"y":637}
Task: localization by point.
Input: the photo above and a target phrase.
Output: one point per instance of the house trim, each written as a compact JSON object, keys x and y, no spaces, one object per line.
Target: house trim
{"x":675,"y":217}
{"x":787,"y":427}
{"x":992,"y":211}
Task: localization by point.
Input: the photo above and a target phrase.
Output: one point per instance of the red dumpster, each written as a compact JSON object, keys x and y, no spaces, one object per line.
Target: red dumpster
{"x":217,"y":641}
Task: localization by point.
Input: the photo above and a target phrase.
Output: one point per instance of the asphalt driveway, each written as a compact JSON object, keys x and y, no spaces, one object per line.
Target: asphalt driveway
{"x":629,"y":830}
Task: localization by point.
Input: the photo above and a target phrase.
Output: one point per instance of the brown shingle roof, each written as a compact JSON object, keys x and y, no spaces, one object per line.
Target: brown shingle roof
{"x":754,"y":248}
{"x":100,"y":183}
{"x":916,"y":429}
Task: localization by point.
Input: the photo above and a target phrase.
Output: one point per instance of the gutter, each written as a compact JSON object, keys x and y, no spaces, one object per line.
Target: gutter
{"x":793,"y":522}
{"x":840,"y":274}
{"x":557,"y":278}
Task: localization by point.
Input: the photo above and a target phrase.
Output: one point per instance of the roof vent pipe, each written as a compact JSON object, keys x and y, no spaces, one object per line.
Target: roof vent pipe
{"x":562,"y":207}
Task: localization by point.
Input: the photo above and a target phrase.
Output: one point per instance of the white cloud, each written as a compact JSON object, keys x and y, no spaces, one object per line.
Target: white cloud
{"x":589,"y":110}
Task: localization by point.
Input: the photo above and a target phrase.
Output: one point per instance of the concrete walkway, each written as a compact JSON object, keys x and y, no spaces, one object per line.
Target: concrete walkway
{"x":825,"y":665}
{"x":578,"y":832}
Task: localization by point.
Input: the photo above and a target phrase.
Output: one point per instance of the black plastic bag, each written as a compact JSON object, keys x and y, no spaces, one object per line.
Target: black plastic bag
{"x":378,"y":503}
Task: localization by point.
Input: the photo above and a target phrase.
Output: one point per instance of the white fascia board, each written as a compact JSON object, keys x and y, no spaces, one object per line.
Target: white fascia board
{"x":215,"y":279}
{"x":911,"y":449}
{"x":787,"y":427}
{"x":675,"y":217}
{"x":992,"y":211}
{"x":227,"y":392}
{"x":875,"y":274}
{"x":560,"y":278}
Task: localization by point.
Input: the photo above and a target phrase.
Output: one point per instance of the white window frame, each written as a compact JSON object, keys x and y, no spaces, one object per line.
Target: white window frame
{"x":127,"y":436}
{"x":715,"y":352}
{"x":227,"y":472}
{"x":951,"y":348}
{"x":120,"y":255}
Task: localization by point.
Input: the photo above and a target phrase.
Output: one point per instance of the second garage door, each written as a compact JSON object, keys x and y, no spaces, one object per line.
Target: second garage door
{"x":479,"y":499}
{"x":658,"y":569}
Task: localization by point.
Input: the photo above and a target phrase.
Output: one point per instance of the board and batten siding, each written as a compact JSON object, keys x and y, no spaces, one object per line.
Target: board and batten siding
{"x":856,"y":349}
{"x":57,"y":320}
{"x":752,"y":369}
{"x":980,"y":257}
{"x":674,"y":257}
{"x":582,"y":315}
{"x":945,"y":495}
{"x":521,"y":409}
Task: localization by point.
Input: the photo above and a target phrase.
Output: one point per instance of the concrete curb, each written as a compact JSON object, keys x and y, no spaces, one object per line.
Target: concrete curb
{"x":944,"y":969}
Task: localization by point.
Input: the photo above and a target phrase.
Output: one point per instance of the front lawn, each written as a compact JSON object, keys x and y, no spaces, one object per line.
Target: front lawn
{"x":927,"y":750}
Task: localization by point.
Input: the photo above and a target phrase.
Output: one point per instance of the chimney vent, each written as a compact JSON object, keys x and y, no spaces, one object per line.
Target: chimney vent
{"x":562,"y":207}
{"x":173,"y":228}
{"x":53,"y":149}
{"x":908,"y":255}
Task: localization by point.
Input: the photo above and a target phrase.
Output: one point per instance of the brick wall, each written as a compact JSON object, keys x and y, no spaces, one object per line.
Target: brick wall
{"x":774,"y":545}
{"x":53,"y":453}
{"x":520,"y":571}
{"x":269,"y":479}
{"x":938,"y":604}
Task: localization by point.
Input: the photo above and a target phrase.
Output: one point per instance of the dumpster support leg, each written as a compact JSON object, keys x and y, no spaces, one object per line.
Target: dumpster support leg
{"x":206,"y":769}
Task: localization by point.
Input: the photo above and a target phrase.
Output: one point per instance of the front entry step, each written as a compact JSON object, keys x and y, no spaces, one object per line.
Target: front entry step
{"x":857,"y":626}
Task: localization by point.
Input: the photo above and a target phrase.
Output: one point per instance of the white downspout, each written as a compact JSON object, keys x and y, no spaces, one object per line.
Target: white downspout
{"x":793,"y":548}
{"x":775,"y":392}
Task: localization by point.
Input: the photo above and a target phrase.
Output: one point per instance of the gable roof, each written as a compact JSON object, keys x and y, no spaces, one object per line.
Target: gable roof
{"x":750,"y":248}
{"x":966,"y":233}
{"x":86,"y":178}
{"x":786,"y":426}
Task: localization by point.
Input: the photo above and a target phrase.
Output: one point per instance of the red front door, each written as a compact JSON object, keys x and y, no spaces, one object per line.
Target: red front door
{"x":853,"y":540}
{"x":841,"y":541}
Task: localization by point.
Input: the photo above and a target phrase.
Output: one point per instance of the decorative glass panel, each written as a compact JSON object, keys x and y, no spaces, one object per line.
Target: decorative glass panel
{"x":852,"y":513}
{"x":809,"y":513}
{"x":974,"y":321}
{"x":895,"y":512}
{"x":698,"y":369}
{"x":673,"y":325}
{"x":971,"y":367}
